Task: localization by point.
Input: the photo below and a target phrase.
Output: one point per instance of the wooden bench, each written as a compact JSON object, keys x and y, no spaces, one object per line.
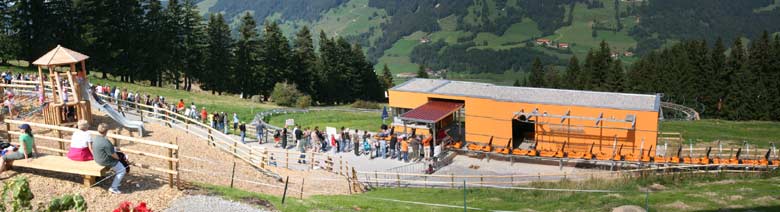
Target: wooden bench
{"x":88,"y":169}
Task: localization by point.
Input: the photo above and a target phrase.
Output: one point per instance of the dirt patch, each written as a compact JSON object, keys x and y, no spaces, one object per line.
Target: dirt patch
{"x":261,"y":202}
{"x":735,"y":198}
{"x":677,"y":205}
{"x":711,"y":194}
{"x":766,"y":200}
{"x":614,"y":195}
{"x":628,"y":208}
{"x":745,"y":189}
{"x":657,"y":187}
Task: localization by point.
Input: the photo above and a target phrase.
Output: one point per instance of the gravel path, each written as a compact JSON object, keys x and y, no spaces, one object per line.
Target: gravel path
{"x":203,"y":203}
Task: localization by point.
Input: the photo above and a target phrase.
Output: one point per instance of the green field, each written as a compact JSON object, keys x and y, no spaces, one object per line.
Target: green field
{"x":760,"y":133}
{"x":680,"y":193}
{"x":353,"y":120}
{"x":397,"y":57}
{"x":578,"y":35}
{"x":512,"y":38}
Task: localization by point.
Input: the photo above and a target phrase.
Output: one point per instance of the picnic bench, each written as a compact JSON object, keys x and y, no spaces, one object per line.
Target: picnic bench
{"x":88,"y":169}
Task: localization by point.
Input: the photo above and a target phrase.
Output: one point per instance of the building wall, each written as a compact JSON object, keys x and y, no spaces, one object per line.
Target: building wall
{"x":487,"y":117}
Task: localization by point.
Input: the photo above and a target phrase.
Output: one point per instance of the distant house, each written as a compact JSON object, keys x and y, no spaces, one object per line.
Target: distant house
{"x":563,"y":45}
{"x":542,"y":41}
{"x":628,"y":54}
{"x":614,"y":55}
{"x":424,"y":40}
{"x":406,"y":75}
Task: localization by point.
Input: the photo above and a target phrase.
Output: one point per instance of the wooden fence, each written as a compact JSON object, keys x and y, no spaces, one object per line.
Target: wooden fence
{"x":157,"y":156}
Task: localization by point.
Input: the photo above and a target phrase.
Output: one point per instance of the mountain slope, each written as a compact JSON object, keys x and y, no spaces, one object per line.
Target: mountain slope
{"x":497,"y":38}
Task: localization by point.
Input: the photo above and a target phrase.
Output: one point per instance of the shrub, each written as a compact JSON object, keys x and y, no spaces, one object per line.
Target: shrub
{"x":21,"y":198}
{"x":365,"y":104}
{"x":285,"y":94}
{"x":303,"y":102}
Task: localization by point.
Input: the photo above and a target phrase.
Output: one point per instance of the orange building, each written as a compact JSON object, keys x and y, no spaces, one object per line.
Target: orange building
{"x":616,"y":124}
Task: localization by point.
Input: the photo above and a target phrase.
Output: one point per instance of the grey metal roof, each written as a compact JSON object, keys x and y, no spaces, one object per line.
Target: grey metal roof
{"x":622,"y":101}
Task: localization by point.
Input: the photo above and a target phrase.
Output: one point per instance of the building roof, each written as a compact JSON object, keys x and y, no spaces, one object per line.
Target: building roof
{"x":622,"y":101}
{"x":59,"y":56}
{"x":432,"y":111}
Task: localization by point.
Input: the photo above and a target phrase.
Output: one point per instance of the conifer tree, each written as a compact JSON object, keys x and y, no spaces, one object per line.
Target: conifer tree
{"x":572,"y":77}
{"x":387,"y":77}
{"x":275,"y":55}
{"x":536,"y":79}
{"x":219,"y":55}
{"x":421,"y":73}
{"x":246,"y":69}
{"x":304,"y":61}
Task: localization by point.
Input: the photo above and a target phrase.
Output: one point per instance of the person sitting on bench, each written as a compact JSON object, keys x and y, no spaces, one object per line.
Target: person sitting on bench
{"x":81,"y":143}
{"x":105,"y":155}
{"x":27,"y":149}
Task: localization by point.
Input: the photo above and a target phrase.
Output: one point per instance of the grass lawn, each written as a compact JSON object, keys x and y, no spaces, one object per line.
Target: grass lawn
{"x":682,"y":193}
{"x":352,"y":120}
{"x":760,"y":133}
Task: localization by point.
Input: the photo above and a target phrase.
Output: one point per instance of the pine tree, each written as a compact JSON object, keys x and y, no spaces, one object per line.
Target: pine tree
{"x":536,"y":79}
{"x":759,"y":65}
{"x":387,"y":77}
{"x":517,"y":83}
{"x":327,"y":76}
{"x":719,"y":86}
{"x":219,"y":55}
{"x":421,"y":73}
{"x":247,"y":46}
{"x":615,"y":77}
{"x":365,"y":85}
{"x":552,"y":78}
{"x":304,"y":61}
{"x":775,"y":76}
{"x":572,"y":78}
{"x":195,"y":43}
{"x":8,"y":48}
{"x":740,"y":98}
{"x":175,"y":45}
{"x":275,"y":57}
{"x":154,"y":43}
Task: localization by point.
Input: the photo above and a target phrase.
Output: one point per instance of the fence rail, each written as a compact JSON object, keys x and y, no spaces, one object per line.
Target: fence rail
{"x":165,"y":164}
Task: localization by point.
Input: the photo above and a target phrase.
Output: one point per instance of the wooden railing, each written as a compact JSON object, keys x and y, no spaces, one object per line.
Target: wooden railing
{"x":152,"y":155}
{"x":261,"y":158}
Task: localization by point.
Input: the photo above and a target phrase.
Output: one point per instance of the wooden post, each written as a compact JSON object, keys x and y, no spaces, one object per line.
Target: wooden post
{"x":452,"y":180}
{"x":376,"y":179}
{"x":311,"y":160}
{"x":8,"y":132}
{"x":170,"y":166}
{"x":233,"y":175}
{"x":235,"y":148}
{"x":303,"y":180}
{"x":176,"y":155}
{"x":340,"y":166}
{"x":59,"y":135}
{"x":287,"y":159}
{"x":398,"y":179}
{"x":142,"y":115}
{"x":481,"y":180}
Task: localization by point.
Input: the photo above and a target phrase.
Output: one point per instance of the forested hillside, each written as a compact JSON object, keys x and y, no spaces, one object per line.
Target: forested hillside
{"x":472,"y":38}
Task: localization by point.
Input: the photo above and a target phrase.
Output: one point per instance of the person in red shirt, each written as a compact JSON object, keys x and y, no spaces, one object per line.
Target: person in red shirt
{"x":180,"y":106}
{"x":203,"y":114}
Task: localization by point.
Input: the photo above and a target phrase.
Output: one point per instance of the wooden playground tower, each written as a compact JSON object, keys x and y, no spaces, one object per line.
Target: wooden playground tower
{"x":67,"y":101}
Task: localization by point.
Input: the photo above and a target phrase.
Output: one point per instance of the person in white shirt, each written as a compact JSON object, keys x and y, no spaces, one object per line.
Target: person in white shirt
{"x":81,"y":143}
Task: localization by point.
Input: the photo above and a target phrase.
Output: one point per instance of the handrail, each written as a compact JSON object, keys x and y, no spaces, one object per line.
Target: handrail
{"x":172,"y":149}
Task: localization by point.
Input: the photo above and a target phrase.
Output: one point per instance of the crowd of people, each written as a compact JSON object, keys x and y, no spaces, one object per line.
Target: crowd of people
{"x":386,"y":144}
{"x":217,"y":120}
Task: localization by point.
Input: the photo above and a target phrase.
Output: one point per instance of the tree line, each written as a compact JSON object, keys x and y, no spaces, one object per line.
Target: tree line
{"x":144,"y":40}
{"x":740,"y":82}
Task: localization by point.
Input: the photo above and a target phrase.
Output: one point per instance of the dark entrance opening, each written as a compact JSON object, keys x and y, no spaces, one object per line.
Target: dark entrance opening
{"x":522,"y":129}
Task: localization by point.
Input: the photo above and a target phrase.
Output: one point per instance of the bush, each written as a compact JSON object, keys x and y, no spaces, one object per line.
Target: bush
{"x":303,"y":102}
{"x":285,"y":94}
{"x":365,"y":104}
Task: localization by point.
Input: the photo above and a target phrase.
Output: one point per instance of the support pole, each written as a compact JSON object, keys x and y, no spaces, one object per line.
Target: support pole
{"x":284,"y":194}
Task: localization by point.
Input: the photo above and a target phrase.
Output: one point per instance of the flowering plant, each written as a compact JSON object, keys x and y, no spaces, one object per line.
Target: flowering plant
{"x":127,"y":206}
